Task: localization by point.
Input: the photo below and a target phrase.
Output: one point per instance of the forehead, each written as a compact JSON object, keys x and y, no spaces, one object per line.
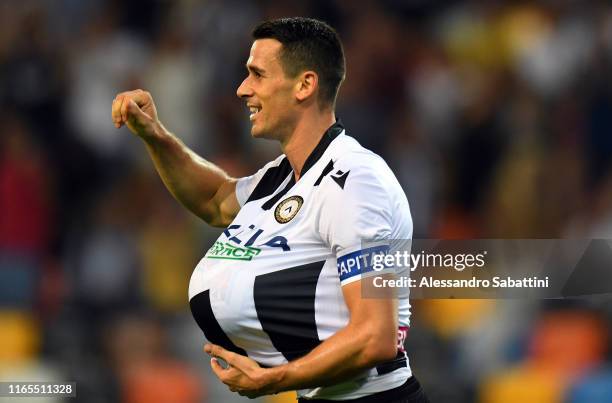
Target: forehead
{"x":265,"y":53}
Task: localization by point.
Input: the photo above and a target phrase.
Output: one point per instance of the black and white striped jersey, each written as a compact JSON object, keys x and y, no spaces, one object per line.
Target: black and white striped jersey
{"x":270,"y":286}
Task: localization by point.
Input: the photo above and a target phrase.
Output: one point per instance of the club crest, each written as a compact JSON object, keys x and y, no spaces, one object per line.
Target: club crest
{"x":287,"y":209}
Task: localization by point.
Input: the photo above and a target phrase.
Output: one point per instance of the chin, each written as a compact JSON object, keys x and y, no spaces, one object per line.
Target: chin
{"x":258,"y":133}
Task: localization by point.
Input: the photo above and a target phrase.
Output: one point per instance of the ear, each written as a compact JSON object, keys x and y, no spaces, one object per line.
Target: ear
{"x":306,"y":86}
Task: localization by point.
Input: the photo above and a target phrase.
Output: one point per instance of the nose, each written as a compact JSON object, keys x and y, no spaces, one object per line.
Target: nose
{"x":244,"y":90}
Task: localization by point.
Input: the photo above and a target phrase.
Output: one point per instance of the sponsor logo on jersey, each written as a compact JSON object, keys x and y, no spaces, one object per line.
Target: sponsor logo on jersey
{"x":225,"y":250}
{"x":249,"y":239}
{"x":287,"y":209}
{"x":359,"y":262}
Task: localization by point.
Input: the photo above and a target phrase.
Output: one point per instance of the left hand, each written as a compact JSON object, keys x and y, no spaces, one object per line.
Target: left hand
{"x":243,"y":375}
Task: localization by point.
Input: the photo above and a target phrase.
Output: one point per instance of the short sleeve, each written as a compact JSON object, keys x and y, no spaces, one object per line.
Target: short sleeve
{"x":356,"y":221}
{"x":246,"y":185}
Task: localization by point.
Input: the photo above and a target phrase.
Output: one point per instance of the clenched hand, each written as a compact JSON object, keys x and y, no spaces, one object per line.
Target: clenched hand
{"x":136,"y":110}
{"x":243,"y":375}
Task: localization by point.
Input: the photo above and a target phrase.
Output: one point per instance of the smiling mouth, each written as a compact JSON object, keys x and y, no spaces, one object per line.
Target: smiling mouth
{"x":254,"y":111}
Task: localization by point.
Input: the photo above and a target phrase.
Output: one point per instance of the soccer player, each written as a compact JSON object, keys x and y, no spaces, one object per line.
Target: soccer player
{"x":278,"y":295}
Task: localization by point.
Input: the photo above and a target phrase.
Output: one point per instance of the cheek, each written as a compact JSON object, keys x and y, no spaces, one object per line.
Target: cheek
{"x":281,"y":101}
{"x":277,"y":103}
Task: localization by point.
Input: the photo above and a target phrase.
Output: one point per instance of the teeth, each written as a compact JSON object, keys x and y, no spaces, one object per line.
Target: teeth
{"x":254,"y":110}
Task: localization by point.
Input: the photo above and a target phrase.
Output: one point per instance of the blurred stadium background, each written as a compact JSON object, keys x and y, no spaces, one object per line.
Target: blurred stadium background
{"x":495,"y":116}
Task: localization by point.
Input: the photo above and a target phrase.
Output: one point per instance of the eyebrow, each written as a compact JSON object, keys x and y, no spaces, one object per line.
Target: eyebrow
{"x":254,"y":69}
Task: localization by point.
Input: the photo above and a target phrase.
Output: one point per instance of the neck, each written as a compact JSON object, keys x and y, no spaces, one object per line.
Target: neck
{"x":305,"y":137}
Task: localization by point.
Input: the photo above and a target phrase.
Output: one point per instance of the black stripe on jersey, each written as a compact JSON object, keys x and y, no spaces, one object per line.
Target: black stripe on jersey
{"x":271,"y":180}
{"x":328,"y":168}
{"x":285,"y":305}
{"x":272,"y":201}
{"x":205,"y":318}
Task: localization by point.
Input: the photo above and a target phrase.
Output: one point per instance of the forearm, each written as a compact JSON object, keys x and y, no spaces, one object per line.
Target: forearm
{"x":346,"y":354}
{"x":192,"y":180}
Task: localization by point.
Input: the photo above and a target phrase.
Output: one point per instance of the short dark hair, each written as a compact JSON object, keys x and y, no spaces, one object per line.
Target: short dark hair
{"x":308,"y":44}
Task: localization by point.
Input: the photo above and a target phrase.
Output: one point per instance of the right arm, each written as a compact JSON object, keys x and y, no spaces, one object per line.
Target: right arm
{"x":198,"y":184}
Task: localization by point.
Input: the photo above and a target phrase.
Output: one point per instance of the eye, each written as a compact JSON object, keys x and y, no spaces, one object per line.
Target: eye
{"x":257,"y":74}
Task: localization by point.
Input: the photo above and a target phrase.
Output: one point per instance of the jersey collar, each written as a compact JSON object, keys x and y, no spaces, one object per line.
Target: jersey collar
{"x":270,"y":180}
{"x":329,"y":136}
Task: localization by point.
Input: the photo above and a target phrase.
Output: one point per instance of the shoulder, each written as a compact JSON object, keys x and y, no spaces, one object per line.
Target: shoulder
{"x":357,"y":198}
{"x":361,"y":167}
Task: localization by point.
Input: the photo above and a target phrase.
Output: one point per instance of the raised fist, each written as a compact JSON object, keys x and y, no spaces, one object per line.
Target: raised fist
{"x":136,"y":110}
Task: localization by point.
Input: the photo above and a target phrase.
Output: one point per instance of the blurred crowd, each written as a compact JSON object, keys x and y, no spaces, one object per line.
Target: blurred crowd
{"x":496,"y":117}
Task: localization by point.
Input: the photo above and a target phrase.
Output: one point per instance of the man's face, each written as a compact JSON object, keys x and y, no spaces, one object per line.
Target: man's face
{"x":267,"y":92}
